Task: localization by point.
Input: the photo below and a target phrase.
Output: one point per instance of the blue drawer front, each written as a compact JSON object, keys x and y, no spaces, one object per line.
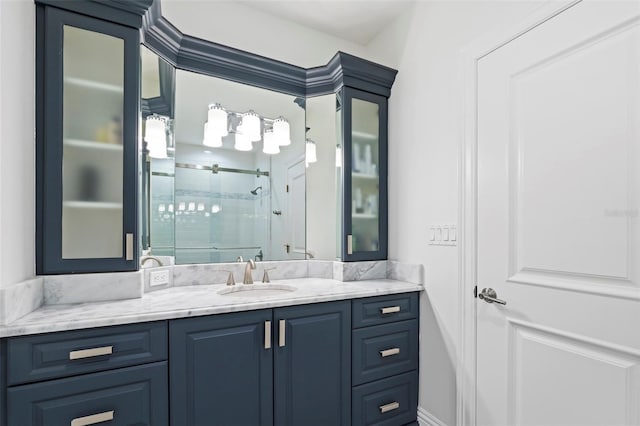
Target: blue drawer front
{"x":46,"y":356}
{"x":136,"y":396}
{"x":370,"y":398}
{"x":384,"y":309}
{"x":384,"y":350}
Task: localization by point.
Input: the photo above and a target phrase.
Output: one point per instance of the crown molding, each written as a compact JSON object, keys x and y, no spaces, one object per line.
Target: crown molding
{"x":206,"y":57}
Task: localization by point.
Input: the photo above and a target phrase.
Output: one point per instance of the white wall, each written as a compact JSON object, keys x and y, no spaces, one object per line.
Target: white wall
{"x":236,"y":25}
{"x":425,"y":129}
{"x":17,"y":147}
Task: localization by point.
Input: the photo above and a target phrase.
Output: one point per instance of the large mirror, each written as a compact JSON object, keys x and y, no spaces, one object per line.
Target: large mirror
{"x":224,"y":190}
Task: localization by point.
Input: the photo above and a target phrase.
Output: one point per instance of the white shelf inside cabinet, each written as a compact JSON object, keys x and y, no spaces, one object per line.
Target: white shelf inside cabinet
{"x":97,"y":205}
{"x":364,"y":216}
{"x":358,"y":175}
{"x":103,"y":146}
{"x":94,"y":85}
{"x":364,"y":135}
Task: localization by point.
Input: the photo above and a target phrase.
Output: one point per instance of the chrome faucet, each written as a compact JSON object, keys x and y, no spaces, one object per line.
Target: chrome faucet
{"x":248,"y":278}
{"x":144,"y":260}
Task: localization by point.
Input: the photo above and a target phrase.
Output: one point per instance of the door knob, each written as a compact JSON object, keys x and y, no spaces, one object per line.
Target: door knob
{"x":489,"y":295}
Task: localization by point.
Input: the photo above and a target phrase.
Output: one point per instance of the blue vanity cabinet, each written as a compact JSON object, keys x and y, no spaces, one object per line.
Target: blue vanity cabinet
{"x":87,"y":86}
{"x":385,"y":360}
{"x":313,"y":365}
{"x":286,"y":366}
{"x":364,"y":178}
{"x":222,"y":370}
{"x":110,"y":374}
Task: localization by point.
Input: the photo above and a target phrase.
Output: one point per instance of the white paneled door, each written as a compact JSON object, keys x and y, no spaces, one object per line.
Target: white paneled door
{"x":558,"y":221}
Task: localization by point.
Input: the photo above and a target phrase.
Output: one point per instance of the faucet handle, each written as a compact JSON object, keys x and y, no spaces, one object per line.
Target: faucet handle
{"x":230,"y":279}
{"x":265,"y":276}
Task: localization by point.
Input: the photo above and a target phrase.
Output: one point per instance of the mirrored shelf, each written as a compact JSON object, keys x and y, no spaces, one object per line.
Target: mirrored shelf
{"x":101,"y":205}
{"x":94,"y":85}
{"x":79,"y":143}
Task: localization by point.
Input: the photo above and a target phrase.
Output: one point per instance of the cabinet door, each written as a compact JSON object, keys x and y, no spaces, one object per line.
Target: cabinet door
{"x":313,"y":364}
{"x":364,"y":222}
{"x":122,"y":397}
{"x":88,"y":90}
{"x":222,"y":370}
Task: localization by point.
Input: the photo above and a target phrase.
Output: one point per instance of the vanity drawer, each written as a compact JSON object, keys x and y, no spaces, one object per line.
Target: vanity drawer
{"x":63,"y":354}
{"x":384,"y":350}
{"x":127,"y":396}
{"x":384,"y":309}
{"x":387,"y":402}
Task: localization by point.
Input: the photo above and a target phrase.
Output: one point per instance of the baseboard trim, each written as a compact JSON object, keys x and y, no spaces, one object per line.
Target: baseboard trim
{"x":427,"y":419}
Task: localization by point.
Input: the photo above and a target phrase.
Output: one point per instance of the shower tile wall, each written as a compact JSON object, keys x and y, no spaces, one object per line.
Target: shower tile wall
{"x":162,"y":207}
{"x":217,"y":216}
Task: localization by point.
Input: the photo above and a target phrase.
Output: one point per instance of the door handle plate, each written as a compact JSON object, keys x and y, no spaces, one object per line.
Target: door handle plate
{"x":89,"y":353}
{"x":93,"y":419}
{"x":281,"y":333}
{"x":389,"y":407}
{"x":267,"y":334}
{"x":389,"y":352}
{"x":489,"y":295}
{"x":389,"y":310}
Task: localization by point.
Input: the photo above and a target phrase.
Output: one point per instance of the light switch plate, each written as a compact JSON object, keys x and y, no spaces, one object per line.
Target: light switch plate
{"x":443,"y":235}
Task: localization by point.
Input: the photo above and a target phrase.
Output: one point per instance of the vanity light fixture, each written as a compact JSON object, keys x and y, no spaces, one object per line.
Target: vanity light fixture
{"x":282,"y":131}
{"x":311,"y":156}
{"x":217,"y":118}
{"x":338,"y":155}
{"x":251,"y":126}
{"x":270,"y":145}
{"x":155,"y":135}
{"x":211,"y":138}
{"x":243,"y":142}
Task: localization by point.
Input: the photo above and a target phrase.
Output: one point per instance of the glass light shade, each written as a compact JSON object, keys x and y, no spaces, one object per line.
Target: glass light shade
{"x":338,"y":155}
{"x":270,"y":145}
{"x":243,"y":143}
{"x":217,"y":119}
{"x":155,"y":135}
{"x":251,"y":125}
{"x":282,"y":131}
{"x":211,"y":138}
{"x":311,"y":152}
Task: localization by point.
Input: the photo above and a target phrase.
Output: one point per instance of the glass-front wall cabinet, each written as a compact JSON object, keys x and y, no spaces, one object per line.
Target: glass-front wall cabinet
{"x":365,"y":182}
{"x":86,"y":143}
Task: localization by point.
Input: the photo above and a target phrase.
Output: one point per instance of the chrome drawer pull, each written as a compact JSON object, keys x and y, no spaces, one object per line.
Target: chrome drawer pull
{"x":88,"y":353}
{"x":389,"y":352}
{"x":93,"y":419}
{"x":267,"y":334}
{"x":389,"y":407}
{"x":281,"y":331}
{"x":390,"y":310}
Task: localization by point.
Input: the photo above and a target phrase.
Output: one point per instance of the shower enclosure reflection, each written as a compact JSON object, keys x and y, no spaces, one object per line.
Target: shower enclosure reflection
{"x":227,"y":190}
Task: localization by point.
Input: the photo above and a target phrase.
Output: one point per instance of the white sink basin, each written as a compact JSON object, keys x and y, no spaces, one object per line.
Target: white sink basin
{"x":256,"y":290}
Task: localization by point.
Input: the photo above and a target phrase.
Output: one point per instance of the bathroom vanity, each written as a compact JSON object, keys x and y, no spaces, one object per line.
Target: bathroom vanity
{"x":327,"y":353}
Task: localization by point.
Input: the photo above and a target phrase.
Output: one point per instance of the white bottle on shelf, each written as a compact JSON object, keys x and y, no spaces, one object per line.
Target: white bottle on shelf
{"x":356,"y":161}
{"x":367,"y":160}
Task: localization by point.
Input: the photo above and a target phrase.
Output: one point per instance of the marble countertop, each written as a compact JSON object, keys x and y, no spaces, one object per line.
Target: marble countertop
{"x":191,"y":301}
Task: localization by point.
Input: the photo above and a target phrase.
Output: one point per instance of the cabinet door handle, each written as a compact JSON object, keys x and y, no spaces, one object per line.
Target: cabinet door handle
{"x":389,"y":407}
{"x":389,"y":352}
{"x":349,"y":244}
{"x":93,"y":419}
{"x":128,"y":246}
{"x":267,"y":334}
{"x":89,"y":353}
{"x":281,"y":332}
{"x":389,"y":310}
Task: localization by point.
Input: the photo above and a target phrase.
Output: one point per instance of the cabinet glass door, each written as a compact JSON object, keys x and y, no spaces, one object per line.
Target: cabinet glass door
{"x":365,"y":179}
{"x":86,"y":143}
{"x":92,"y":157}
